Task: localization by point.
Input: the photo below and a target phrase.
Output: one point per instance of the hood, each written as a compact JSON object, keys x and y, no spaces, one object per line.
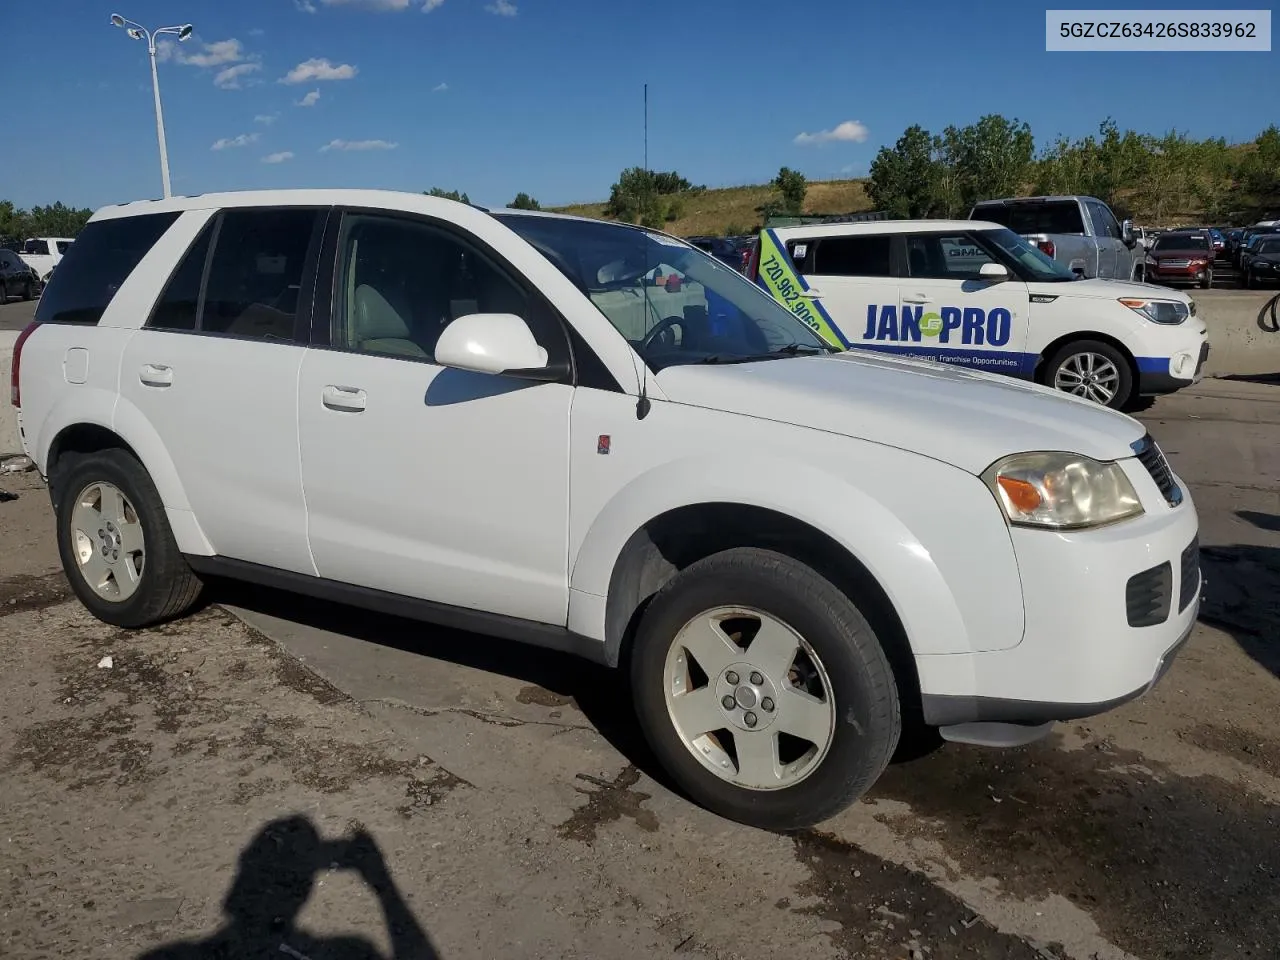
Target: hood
{"x":1099,"y":289}
{"x":1180,"y":253}
{"x":963,"y":417}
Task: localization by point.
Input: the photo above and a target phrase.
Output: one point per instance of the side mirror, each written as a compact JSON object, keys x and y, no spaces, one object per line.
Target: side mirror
{"x":993,"y":271}
{"x":499,"y":343}
{"x":1126,"y":233}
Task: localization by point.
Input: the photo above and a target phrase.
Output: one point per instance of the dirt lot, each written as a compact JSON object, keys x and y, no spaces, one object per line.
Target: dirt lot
{"x":276,"y":777}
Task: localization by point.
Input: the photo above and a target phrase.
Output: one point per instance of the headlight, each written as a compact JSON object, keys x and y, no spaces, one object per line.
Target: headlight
{"x":1158,"y":311}
{"x":1263,"y":264}
{"x":1061,"y":491}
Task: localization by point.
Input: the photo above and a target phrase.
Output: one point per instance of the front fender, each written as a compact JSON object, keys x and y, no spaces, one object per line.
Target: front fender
{"x":871,"y":531}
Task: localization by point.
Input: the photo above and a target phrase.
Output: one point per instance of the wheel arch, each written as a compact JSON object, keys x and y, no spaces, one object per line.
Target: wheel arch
{"x":676,"y":538}
{"x":1042,"y":362}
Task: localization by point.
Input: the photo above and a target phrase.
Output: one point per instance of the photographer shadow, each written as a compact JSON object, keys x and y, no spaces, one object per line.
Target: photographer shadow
{"x":277,"y":873}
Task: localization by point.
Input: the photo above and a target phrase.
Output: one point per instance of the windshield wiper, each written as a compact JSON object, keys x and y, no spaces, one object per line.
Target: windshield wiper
{"x":790,"y":350}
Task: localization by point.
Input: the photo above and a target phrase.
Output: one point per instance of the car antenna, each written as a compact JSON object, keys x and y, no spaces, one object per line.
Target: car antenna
{"x":643,"y":406}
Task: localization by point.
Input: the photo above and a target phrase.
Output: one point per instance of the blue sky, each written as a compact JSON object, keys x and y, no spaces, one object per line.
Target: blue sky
{"x":497,"y":96}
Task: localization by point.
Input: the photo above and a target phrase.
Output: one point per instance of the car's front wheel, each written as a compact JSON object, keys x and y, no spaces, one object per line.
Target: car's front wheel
{"x":1092,"y":370}
{"x":763,"y":691}
{"x":28,"y":290}
{"x":114,"y":539}
{"x":1207,"y":280}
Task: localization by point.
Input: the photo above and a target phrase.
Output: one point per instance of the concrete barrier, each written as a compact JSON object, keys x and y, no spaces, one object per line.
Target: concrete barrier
{"x":1244,"y":331}
{"x":10,"y":442}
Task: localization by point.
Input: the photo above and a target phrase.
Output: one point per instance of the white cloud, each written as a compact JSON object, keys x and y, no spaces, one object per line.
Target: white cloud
{"x":310,"y":99}
{"x":369,"y":4}
{"x":212,"y":54}
{"x":305,"y":6}
{"x":851,"y":131}
{"x":227,"y":143}
{"x":280,"y":157}
{"x":503,"y":8}
{"x":266,"y":119}
{"x":358,"y":145}
{"x":229,"y":79}
{"x":440,"y":88}
{"x":319,"y":68}
{"x":432,"y":5}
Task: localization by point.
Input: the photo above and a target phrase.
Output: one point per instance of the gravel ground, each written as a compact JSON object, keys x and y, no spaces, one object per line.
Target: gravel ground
{"x":279,"y":777}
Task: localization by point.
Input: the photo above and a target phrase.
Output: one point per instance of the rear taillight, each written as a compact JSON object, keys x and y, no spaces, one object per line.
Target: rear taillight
{"x":15,"y":391}
{"x":753,"y":261}
{"x":1047,"y":247}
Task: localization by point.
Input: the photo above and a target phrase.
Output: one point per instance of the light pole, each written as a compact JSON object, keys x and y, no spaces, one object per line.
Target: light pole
{"x":139,"y":32}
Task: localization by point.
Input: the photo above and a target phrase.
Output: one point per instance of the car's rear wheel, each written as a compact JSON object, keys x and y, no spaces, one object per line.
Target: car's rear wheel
{"x":1092,"y":370}
{"x":114,"y":539}
{"x":763,"y":691}
{"x":28,"y":290}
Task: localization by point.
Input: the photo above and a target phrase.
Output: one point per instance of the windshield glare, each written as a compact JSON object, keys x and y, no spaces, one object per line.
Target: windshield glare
{"x":673,"y":303}
{"x":1183,"y":242}
{"x":1036,"y":265}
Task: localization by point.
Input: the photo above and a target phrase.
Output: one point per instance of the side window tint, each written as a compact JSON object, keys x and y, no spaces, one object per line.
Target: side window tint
{"x":402,"y":282}
{"x":944,"y":257}
{"x":97,"y":264}
{"x":64,"y":246}
{"x":177,"y":307}
{"x":255,"y":277}
{"x":860,"y":256}
{"x":37,"y":248}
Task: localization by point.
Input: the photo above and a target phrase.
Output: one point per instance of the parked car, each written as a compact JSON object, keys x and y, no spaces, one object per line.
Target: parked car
{"x":1262,"y":264}
{"x":1233,"y":241}
{"x":43,"y":253}
{"x":1217,"y":241}
{"x":1081,"y":233}
{"x":978,"y":295}
{"x":733,"y":251}
{"x":550,"y":440}
{"x":1181,"y":257}
{"x":16,"y":278}
{"x":1252,"y":237}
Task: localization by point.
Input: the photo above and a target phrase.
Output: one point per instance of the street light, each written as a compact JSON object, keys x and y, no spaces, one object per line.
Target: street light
{"x":138,"y":32}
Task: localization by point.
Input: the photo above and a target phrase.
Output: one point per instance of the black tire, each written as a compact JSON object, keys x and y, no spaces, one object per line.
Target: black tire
{"x":4,"y":292}
{"x":1124,"y":389}
{"x":168,"y":588}
{"x":868,"y":722}
{"x":28,"y":291}
{"x":1207,"y":282}
{"x":1248,"y":280}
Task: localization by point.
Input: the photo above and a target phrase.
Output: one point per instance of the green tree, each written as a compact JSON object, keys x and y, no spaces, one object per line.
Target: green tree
{"x":792,"y":187}
{"x":524,"y":202}
{"x":992,"y":157}
{"x":448,"y":194}
{"x":646,"y":197}
{"x":905,"y":179}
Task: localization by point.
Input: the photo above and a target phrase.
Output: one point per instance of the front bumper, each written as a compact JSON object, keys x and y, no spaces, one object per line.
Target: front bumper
{"x":1156,"y":377}
{"x":1079,"y":655}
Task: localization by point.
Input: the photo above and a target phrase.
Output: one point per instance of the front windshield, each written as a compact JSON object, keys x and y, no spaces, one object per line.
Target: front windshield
{"x":1183,"y":242}
{"x":1036,"y":265}
{"x":1270,"y":246}
{"x":673,"y":303}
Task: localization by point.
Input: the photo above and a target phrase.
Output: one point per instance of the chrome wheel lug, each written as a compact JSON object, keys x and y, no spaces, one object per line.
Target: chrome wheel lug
{"x":750,"y":719}
{"x":767,"y":705}
{"x":728,"y":702}
{"x":731,"y":678}
{"x":756,"y":679}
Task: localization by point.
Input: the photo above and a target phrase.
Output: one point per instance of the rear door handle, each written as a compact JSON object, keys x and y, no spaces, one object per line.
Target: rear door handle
{"x":156,"y":375}
{"x":343,"y":399}
{"x":918,"y":298}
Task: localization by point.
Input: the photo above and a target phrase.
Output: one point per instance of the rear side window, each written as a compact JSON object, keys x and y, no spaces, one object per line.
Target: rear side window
{"x":864,"y":256}
{"x":249,"y":284}
{"x":97,"y":264}
{"x":64,"y":246}
{"x":1052,"y":216}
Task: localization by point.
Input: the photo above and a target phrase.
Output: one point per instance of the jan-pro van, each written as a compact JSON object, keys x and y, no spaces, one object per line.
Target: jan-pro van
{"x":976,"y":294}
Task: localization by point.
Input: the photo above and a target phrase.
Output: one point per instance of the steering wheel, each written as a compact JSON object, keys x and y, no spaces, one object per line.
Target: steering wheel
{"x":663,"y":330}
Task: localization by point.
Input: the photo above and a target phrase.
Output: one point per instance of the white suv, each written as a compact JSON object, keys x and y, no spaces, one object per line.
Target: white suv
{"x":595,"y":438}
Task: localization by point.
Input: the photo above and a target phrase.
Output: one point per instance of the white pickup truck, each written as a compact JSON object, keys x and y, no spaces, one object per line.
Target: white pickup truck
{"x":42,"y":254}
{"x":506,"y":422}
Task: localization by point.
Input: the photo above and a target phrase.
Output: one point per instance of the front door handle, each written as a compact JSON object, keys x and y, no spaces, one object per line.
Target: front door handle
{"x":343,"y":399}
{"x":156,"y":375}
{"x":918,"y":298}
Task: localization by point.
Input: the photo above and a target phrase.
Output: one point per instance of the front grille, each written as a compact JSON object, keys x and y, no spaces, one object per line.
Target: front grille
{"x":1153,"y":459}
{"x":1173,"y":263}
{"x":1149,"y":595}
{"x":1190,"y":575}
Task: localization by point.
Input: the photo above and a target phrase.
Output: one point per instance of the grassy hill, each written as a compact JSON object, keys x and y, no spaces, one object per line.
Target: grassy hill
{"x":733,"y":209}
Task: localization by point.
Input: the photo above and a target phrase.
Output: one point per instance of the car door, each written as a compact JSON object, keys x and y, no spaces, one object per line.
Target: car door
{"x":950,"y":313}
{"x":215,"y":370}
{"x":425,"y":481}
{"x":1112,"y":253}
{"x":852,"y":276}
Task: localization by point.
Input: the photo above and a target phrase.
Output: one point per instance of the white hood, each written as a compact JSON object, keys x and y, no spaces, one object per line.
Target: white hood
{"x":964,"y":417}
{"x":1100,"y":289}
